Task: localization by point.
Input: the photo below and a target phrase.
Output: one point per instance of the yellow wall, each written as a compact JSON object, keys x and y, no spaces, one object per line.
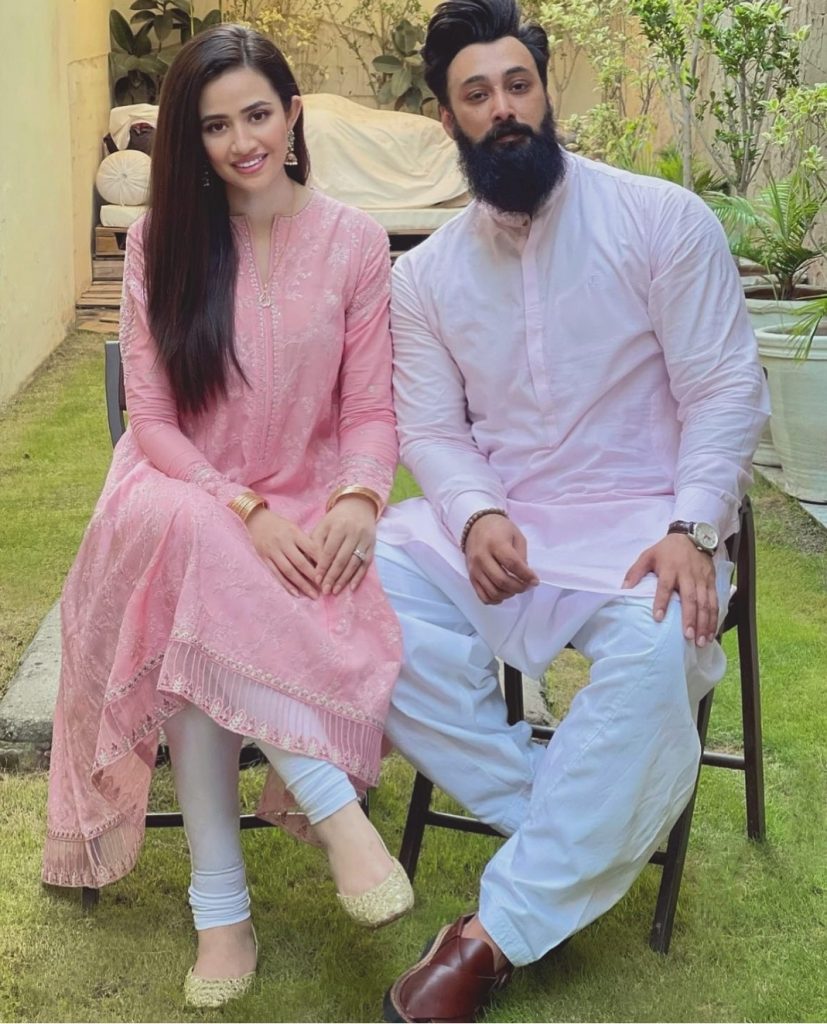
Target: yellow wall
{"x":88,"y":83}
{"x":36,"y":243}
{"x":54,"y":81}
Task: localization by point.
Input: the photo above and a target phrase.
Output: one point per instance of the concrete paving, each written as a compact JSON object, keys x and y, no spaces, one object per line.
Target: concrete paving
{"x":27,"y":710}
{"x":776,"y":477}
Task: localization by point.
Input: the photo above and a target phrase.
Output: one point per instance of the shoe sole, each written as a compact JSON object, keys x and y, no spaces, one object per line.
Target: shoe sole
{"x":390,"y":920}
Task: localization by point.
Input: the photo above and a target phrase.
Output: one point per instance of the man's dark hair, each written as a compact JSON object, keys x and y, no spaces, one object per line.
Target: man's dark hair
{"x":459,"y":23}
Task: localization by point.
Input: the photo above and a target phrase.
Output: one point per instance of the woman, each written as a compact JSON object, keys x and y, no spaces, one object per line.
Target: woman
{"x":225,"y":585}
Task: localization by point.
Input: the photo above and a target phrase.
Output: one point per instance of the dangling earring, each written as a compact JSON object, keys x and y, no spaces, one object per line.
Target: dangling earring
{"x":205,"y":178}
{"x":290,"y":159}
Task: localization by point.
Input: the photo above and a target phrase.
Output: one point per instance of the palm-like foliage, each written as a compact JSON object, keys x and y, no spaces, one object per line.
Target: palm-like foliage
{"x":811,"y":320}
{"x":667,"y":163}
{"x":772,"y":228}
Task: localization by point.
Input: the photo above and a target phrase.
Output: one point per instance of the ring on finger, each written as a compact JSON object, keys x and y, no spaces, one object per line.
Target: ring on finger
{"x":360,"y":554}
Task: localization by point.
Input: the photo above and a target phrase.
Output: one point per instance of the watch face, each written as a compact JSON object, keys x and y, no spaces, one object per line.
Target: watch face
{"x":706,"y":536}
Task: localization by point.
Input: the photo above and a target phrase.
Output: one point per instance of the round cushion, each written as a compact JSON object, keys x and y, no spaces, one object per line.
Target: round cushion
{"x":123,"y":178}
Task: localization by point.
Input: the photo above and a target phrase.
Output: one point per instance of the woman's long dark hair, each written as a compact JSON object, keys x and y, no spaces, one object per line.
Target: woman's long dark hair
{"x":190,"y":257}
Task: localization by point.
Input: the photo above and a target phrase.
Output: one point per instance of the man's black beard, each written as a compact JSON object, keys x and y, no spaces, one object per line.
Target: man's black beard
{"x":514,"y":177}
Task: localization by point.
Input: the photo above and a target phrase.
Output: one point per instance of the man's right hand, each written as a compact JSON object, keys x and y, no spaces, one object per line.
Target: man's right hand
{"x":495,"y":553}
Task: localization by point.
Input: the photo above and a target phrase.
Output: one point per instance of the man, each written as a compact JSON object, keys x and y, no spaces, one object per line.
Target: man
{"x":579,"y":397}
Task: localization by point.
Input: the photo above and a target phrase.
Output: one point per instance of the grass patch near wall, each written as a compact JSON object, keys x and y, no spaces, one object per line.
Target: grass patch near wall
{"x":751,"y":929}
{"x":54,"y":453}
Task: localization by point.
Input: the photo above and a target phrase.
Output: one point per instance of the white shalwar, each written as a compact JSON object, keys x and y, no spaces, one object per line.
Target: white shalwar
{"x":592,"y":371}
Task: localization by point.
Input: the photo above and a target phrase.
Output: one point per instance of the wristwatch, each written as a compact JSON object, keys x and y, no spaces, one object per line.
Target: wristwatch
{"x":703,"y":535}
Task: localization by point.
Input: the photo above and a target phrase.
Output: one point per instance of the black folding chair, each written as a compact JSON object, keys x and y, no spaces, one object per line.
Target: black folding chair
{"x":741,"y":617}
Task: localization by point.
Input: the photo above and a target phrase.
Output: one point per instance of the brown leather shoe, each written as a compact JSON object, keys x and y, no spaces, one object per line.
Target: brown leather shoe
{"x":452,"y":982}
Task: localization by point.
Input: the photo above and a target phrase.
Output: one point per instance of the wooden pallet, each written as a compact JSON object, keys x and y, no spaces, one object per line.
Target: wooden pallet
{"x":107,"y":269}
{"x":98,"y":309}
{"x":108,"y":324}
{"x":110,"y":241}
{"x":101,"y":295}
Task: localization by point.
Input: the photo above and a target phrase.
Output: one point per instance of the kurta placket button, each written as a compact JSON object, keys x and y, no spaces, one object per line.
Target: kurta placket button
{"x":535,"y":339}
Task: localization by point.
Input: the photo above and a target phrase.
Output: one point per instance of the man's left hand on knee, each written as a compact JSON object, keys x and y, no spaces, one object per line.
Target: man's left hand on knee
{"x":681,"y":568}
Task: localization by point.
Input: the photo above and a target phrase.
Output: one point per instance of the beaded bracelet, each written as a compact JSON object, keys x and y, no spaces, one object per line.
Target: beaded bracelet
{"x":246,"y":503}
{"x":358,"y":491}
{"x":473,"y":518}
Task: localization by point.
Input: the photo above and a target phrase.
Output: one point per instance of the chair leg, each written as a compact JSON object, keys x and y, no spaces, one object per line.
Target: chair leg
{"x":415,"y":824}
{"x":750,"y":686}
{"x":753,"y":747}
{"x":513,"y":691}
{"x":670,"y":883}
{"x":89,"y":899}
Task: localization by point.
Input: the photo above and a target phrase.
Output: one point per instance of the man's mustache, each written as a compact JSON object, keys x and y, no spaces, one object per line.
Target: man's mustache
{"x":499,"y":131}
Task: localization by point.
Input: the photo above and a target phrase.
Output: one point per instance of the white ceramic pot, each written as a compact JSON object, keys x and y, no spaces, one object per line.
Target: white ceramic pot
{"x":752,"y":274}
{"x":798,"y":392}
{"x":767,"y":312}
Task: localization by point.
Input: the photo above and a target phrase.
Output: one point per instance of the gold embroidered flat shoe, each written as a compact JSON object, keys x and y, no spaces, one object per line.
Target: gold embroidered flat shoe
{"x":214,"y":992}
{"x":383,"y":903}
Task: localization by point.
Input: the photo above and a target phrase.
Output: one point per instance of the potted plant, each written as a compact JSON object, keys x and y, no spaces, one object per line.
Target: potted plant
{"x":136,"y":67}
{"x":403,"y":70}
{"x":796,"y":358}
{"x":384,"y":39}
{"x":771,"y":231}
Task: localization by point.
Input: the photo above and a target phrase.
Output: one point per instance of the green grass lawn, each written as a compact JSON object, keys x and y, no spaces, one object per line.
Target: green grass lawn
{"x":54,"y":453}
{"x":750,"y":940}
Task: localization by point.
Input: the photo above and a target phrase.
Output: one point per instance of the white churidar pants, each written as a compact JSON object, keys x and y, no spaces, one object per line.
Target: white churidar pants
{"x":205,"y":767}
{"x":583,"y":815}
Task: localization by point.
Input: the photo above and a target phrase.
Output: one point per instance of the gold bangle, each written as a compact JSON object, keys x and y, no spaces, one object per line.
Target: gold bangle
{"x":244,"y":504}
{"x":473,"y":518}
{"x":357,"y":491}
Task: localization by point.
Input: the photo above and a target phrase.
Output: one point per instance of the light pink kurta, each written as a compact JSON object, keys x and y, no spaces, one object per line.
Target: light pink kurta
{"x":593,"y":371}
{"x":168,"y":601}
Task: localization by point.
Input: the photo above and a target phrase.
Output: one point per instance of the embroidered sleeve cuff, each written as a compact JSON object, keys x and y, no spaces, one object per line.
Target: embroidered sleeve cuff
{"x":365,"y":471}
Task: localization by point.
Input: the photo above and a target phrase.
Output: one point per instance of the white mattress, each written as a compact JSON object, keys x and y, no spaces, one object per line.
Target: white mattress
{"x":380,"y":159}
{"x":120,"y":216}
{"x":400,"y":168}
{"x":414,"y":222}
{"x":399,"y":222}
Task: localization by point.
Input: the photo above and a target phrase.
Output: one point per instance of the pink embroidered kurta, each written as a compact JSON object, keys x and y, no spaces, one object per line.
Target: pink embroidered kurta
{"x":169,"y":602}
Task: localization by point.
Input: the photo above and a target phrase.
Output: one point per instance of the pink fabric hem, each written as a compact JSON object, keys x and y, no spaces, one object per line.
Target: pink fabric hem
{"x":95,"y":861}
{"x":123,"y":762}
{"x":298,"y":721}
